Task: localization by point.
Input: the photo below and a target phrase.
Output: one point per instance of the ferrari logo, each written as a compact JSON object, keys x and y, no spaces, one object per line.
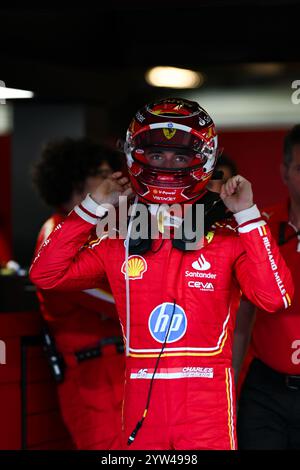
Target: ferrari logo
{"x":209,"y":236}
{"x":169,"y":133}
{"x":209,"y":132}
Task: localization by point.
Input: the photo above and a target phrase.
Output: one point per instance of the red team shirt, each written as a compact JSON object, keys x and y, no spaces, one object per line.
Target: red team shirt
{"x":81,"y":318}
{"x":92,"y":392}
{"x":276,"y":339}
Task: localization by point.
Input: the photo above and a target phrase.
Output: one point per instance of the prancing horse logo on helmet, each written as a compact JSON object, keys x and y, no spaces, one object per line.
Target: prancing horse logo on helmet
{"x":169,"y":132}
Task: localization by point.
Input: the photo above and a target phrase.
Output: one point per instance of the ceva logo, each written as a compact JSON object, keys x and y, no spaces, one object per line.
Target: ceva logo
{"x":159,"y":322}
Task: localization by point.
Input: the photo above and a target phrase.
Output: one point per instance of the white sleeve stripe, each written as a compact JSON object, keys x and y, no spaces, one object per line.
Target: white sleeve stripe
{"x":83,"y":215}
{"x":249,"y":227}
{"x":247,"y":215}
{"x":90,"y":205}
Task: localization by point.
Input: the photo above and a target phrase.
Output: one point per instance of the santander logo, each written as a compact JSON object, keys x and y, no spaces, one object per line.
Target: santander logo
{"x":201,"y":264}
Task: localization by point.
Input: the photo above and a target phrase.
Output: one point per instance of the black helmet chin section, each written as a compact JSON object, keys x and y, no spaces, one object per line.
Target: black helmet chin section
{"x":214,"y":211}
{"x":141,"y":245}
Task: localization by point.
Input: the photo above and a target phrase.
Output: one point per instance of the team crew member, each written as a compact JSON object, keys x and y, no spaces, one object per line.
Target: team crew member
{"x":269,"y":411}
{"x":177,"y":306}
{"x":84,"y":324}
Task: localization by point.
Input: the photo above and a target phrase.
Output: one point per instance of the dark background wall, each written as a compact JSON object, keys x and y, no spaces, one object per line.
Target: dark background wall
{"x":35,"y":124}
{"x":5,"y":186}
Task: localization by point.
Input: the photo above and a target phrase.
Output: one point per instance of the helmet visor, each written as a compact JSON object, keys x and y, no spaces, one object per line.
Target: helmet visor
{"x":168,"y":158}
{"x":168,"y":137}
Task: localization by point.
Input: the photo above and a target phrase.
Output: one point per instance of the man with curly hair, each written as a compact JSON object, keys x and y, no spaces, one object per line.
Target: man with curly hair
{"x":83,"y":324}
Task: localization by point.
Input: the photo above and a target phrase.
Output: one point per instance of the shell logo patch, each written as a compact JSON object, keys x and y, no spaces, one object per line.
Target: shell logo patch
{"x":137,"y":266}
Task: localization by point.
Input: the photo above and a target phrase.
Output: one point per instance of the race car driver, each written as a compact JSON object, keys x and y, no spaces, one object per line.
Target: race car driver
{"x":177,"y":306}
{"x":82,"y":327}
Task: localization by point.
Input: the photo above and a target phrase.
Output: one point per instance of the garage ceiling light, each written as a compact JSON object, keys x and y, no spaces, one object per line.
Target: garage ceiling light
{"x":12,"y":93}
{"x":173,"y":77}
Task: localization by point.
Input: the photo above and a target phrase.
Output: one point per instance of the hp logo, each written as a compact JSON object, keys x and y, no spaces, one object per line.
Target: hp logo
{"x":159,"y":322}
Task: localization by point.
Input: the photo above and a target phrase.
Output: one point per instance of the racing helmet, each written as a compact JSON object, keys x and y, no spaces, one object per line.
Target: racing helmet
{"x":171,"y":124}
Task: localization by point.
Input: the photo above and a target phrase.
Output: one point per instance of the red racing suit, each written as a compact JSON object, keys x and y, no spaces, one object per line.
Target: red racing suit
{"x":92,"y":393}
{"x":190,"y":298}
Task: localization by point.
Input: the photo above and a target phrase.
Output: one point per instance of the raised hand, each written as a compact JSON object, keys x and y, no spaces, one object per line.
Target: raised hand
{"x":237,"y":194}
{"x":111,"y":188}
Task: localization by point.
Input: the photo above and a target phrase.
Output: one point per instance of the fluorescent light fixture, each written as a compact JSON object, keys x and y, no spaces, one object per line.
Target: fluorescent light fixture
{"x":6,"y":119}
{"x":260,"y":108}
{"x":12,"y":93}
{"x":173,"y":77}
